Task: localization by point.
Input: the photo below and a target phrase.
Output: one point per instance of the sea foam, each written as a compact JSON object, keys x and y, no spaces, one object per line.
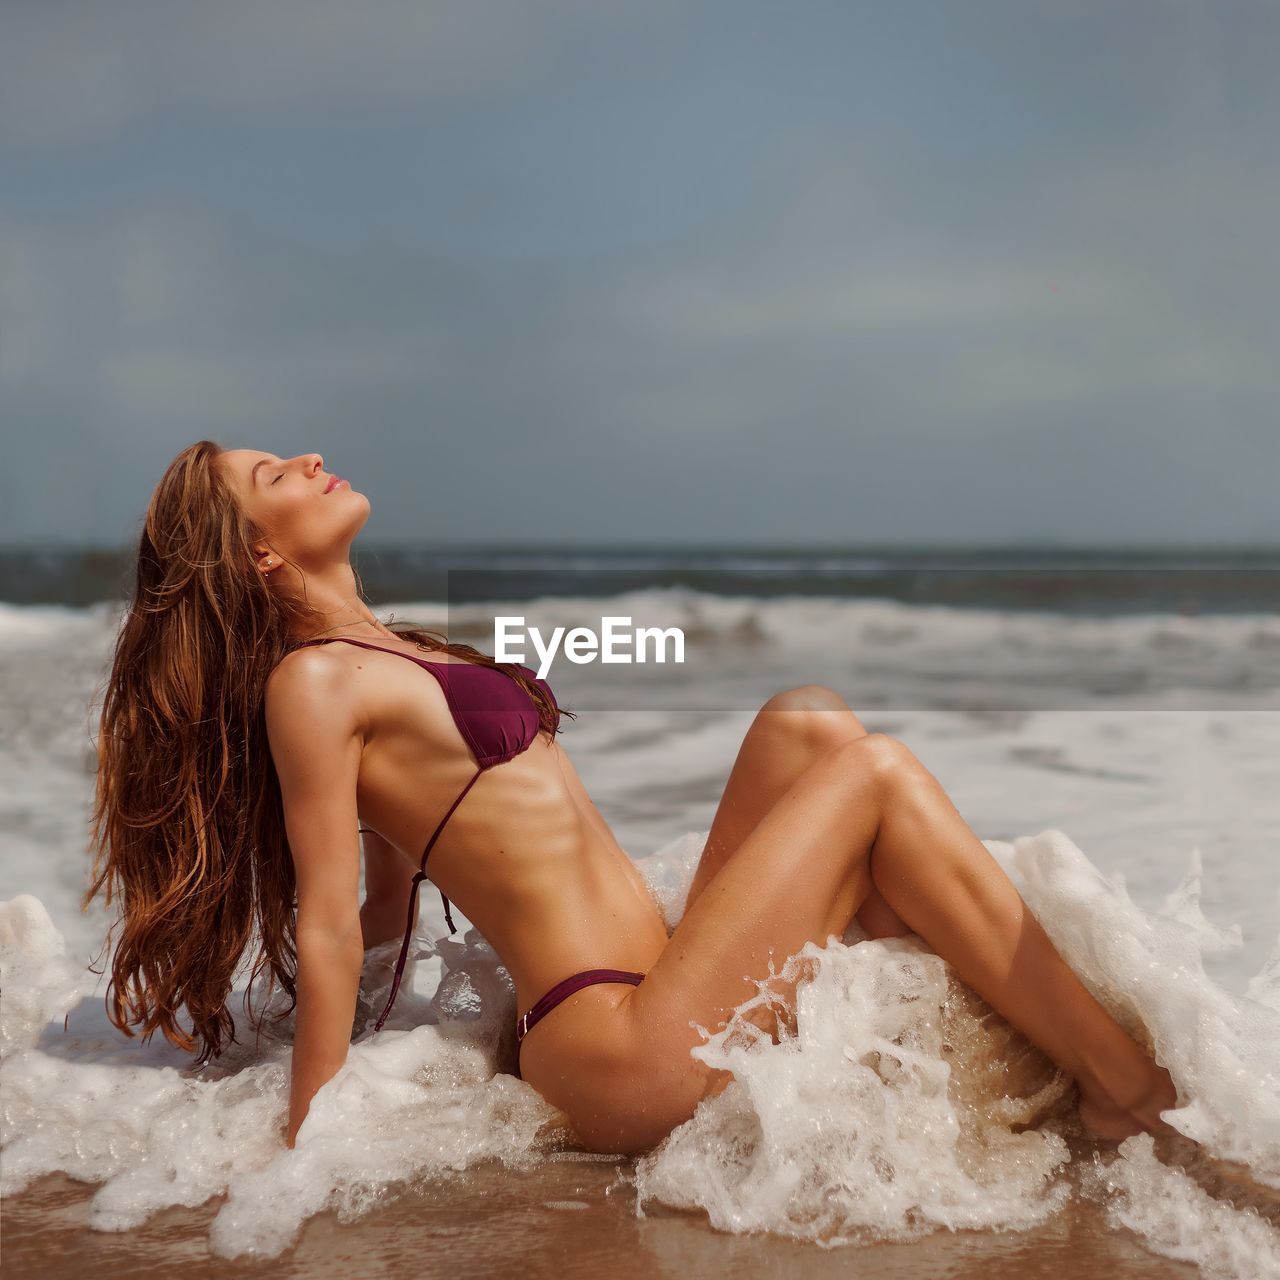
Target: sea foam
{"x":902,"y":1104}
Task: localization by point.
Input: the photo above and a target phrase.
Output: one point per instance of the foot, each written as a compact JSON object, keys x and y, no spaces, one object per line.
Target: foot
{"x":1102,"y":1118}
{"x":1162,"y":1096}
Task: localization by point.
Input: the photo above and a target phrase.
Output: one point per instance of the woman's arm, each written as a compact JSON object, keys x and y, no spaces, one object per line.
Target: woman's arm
{"x":315,"y":744}
{"x":388,"y":882}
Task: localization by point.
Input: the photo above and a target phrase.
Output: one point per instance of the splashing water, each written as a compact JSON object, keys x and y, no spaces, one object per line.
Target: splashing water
{"x":900,"y":1105}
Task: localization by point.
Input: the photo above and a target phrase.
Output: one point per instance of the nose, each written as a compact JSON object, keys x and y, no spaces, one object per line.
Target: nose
{"x":314,"y":463}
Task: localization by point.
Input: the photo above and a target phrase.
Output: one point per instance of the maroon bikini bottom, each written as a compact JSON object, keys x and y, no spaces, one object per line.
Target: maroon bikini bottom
{"x":562,"y":991}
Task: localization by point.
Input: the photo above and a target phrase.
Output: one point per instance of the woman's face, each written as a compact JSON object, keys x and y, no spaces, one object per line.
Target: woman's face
{"x":308,"y":516}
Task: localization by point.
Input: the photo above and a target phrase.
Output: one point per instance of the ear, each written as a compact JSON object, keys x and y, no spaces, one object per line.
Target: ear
{"x":266,"y":560}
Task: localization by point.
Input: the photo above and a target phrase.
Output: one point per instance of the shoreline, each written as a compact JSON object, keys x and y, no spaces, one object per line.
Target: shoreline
{"x":566,"y":1219}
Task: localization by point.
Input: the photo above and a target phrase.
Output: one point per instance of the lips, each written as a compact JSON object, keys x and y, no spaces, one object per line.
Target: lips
{"x":334,"y":482}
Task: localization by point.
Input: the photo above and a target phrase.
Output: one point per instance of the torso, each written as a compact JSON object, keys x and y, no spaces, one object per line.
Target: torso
{"x":530,"y":864}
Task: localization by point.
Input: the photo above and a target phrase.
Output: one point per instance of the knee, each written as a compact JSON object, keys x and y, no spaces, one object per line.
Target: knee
{"x":815,"y":714}
{"x":878,"y":754}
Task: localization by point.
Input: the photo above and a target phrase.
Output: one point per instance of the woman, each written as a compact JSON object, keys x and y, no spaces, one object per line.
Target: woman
{"x":258,"y":717}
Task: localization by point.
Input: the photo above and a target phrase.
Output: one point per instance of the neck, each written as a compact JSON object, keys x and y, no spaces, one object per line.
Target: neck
{"x":333,"y":592}
{"x":372,"y":630}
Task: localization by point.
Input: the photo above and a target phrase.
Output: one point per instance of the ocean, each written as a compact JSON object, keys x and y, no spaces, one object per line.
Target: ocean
{"x":1107,"y":723}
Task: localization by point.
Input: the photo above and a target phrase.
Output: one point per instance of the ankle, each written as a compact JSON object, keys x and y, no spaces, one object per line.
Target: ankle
{"x":1161,"y":1095}
{"x":1146,"y":1093}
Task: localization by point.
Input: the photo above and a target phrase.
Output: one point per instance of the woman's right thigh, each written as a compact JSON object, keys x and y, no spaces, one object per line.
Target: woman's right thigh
{"x":799,"y":877}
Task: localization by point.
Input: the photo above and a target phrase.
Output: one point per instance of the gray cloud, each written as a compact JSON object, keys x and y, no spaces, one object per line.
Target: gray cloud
{"x":87,"y":69}
{"x":795,"y":317}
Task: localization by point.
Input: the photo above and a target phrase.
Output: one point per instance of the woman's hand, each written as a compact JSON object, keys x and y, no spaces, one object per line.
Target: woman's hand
{"x":329,"y":967}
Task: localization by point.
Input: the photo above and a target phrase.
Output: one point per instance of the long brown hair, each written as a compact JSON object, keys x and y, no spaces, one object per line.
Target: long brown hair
{"x":188,"y":828}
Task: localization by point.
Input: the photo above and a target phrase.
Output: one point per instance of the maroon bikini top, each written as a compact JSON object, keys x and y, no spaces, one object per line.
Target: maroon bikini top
{"x":497,"y":719}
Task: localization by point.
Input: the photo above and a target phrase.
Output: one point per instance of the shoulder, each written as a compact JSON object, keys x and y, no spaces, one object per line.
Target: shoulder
{"x":317,"y":666}
{"x":309,"y":691}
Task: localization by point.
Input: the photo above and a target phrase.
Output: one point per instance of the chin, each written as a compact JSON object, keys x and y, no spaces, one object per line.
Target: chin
{"x":363,"y":508}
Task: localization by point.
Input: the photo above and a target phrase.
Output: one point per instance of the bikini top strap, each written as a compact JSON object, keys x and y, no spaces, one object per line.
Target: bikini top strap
{"x":435,"y":835}
{"x":407,"y":941}
{"x":412,"y":919}
{"x":418,"y":878}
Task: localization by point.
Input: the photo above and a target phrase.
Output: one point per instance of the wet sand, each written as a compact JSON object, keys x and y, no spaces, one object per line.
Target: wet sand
{"x":563,"y":1220}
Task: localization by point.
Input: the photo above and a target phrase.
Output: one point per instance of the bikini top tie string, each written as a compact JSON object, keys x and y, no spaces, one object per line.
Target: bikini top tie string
{"x":419,"y":876}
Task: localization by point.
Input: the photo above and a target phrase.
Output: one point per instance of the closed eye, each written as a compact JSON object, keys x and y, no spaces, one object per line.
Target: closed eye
{"x":278,"y":478}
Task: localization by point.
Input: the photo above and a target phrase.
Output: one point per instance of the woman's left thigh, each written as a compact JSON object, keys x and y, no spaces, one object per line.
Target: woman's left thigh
{"x":788,"y":734}
{"x":791,"y":730}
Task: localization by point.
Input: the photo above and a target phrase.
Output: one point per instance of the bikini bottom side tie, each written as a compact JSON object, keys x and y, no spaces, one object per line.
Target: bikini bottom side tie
{"x":562,"y":991}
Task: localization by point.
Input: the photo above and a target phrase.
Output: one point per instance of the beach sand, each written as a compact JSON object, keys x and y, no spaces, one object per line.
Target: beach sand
{"x":564,"y":1220}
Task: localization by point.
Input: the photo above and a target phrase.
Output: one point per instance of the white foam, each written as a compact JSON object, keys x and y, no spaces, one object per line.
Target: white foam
{"x":901,"y":1105}
{"x":1147,"y":969}
{"x":894,"y":1108}
{"x":408,"y":1104}
{"x":847,"y":1132}
{"x":40,"y":984}
{"x":1180,"y":1219}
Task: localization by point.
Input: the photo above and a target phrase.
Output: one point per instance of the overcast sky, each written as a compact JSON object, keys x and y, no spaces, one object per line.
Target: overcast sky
{"x":622,"y":273}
